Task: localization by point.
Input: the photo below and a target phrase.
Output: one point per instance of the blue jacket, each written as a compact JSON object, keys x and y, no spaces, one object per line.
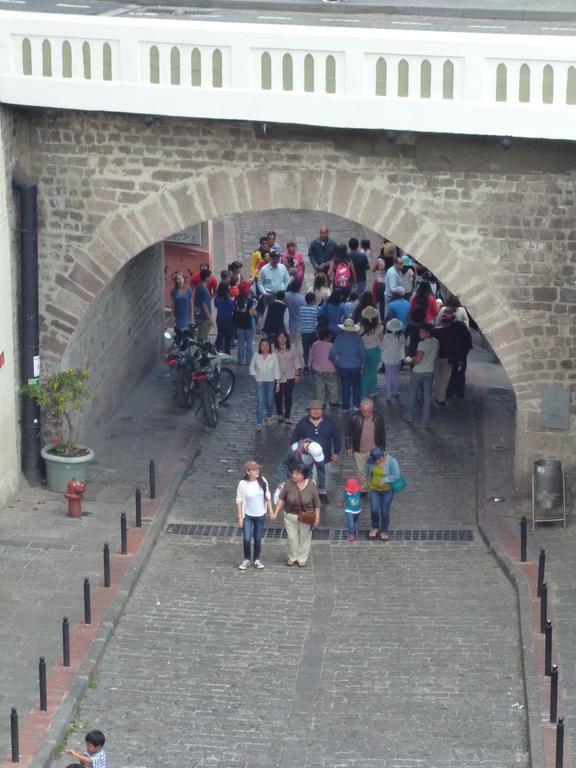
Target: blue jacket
{"x":347,"y":350}
{"x":391,"y":469}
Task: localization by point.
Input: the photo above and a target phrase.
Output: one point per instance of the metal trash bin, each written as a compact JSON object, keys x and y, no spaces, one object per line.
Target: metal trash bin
{"x":548,"y":492}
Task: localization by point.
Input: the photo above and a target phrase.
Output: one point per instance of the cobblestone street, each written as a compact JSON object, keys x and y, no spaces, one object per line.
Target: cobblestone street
{"x":391,"y":655}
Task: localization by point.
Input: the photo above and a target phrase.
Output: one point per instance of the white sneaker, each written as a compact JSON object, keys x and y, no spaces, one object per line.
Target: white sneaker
{"x":258,"y":564}
{"x":244,"y":564}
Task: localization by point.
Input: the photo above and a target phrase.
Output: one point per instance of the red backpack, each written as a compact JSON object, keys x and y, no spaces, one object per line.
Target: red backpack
{"x":342,"y":276}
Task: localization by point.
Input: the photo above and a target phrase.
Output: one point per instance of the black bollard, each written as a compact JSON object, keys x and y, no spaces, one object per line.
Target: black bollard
{"x":541,"y":563}
{"x":152,"y":473}
{"x":554,"y":694}
{"x":548,"y":649}
{"x":87,"y":602}
{"x":138,"y":508}
{"x":123,"y":534}
{"x":65,"y":642}
{"x":523,"y":535}
{"x":560,"y":743}
{"x":42,"y":684}
{"x":106,"y":565}
{"x":14,"y":735}
{"x":543,"y":606}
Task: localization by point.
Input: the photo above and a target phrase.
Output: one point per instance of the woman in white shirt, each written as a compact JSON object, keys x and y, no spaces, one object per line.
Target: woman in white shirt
{"x":253,"y":500}
{"x":265,"y":369}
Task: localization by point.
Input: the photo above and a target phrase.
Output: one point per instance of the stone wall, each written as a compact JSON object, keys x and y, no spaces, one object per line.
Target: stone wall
{"x":10,"y":441}
{"x":496,"y":227}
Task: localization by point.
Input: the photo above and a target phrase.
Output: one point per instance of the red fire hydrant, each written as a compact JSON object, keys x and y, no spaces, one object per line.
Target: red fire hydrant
{"x":75,"y":490}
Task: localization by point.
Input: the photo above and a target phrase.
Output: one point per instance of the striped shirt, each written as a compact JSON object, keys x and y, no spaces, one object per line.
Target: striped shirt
{"x":308,"y":318}
{"x":98,"y":759}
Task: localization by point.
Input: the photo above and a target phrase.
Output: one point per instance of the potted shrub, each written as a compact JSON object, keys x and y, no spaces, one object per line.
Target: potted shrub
{"x":61,"y":396}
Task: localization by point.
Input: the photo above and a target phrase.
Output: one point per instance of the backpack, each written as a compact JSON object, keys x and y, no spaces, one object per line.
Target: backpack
{"x":342,"y":276}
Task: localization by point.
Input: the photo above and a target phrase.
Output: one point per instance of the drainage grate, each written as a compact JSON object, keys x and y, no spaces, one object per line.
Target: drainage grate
{"x":323,"y":534}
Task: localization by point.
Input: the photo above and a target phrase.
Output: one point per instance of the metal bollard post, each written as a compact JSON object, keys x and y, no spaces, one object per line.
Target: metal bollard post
{"x":541,"y":563}
{"x":14,"y":735}
{"x":543,"y":606}
{"x":560,"y":743}
{"x":523,"y":535}
{"x":87,"y":602}
{"x":42,"y":684}
{"x":138,"y":508}
{"x":65,"y":642}
{"x":548,"y":649}
{"x":123,"y":534}
{"x":554,"y":694}
{"x":152,"y":473}
{"x":106,"y":565}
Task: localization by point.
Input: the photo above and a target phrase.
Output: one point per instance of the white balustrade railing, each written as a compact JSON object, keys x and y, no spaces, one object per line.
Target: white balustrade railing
{"x":449,"y":82}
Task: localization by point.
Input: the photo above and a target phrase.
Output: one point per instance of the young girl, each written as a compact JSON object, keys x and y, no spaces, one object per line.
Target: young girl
{"x":382,"y":470}
{"x":352,"y":506}
{"x":393,"y":351}
{"x":265,"y":369}
{"x":253,"y":500}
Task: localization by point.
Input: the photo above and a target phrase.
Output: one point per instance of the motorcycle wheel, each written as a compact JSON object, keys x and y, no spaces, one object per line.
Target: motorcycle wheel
{"x":226,"y":384}
{"x":184,"y":389}
{"x":209,"y":405}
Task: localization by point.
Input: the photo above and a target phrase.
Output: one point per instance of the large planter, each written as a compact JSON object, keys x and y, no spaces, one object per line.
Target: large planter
{"x":61,"y":469}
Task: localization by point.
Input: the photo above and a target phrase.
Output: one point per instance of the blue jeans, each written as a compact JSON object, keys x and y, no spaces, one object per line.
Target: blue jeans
{"x":350,"y":378}
{"x":245,"y":337}
{"x":253,"y":527}
{"x":352,"y":518}
{"x":420,"y":382}
{"x":264,"y":399}
{"x":380,"y":503}
{"x":360,"y":288}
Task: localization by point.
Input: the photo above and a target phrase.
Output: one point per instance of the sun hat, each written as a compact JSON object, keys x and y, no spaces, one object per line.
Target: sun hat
{"x":251,"y":465}
{"x":398,"y":290}
{"x":352,"y":485}
{"x":349,"y":325}
{"x":369,"y":313}
{"x":315,"y":450}
{"x":315,"y":404}
{"x":394,"y":325}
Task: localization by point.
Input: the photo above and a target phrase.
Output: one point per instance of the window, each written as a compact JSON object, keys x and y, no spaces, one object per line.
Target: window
{"x":548,"y":85}
{"x":381,"y":77}
{"x":403,"y":78}
{"x":217,"y":68}
{"x":266,"y":71}
{"x":309,"y":73}
{"x":26,"y":57}
{"x":154,"y":65}
{"x":175,"y":66}
{"x":66,"y":59}
{"x":571,"y":86}
{"x":196,"y":68}
{"x":501,"y":82}
{"x":46,"y":59}
{"x":86,"y":61}
{"x":524,"y":84}
{"x":425,"y":79}
{"x":106,"y":62}
{"x":287,"y":73}
{"x":448,"y":80}
{"x":330,"y":74}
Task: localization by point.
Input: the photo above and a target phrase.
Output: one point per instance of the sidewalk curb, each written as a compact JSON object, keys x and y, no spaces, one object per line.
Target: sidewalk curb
{"x":529,"y":674}
{"x":55,"y":732}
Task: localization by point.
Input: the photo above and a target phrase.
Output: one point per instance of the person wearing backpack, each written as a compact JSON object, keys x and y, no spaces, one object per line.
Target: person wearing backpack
{"x":342,"y":271}
{"x":242,"y":319}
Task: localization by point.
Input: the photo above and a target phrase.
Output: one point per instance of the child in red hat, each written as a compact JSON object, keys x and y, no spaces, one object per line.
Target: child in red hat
{"x":352,"y":505}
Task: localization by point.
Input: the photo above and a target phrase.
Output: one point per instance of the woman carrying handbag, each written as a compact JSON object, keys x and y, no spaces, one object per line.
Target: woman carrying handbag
{"x":301,"y":502}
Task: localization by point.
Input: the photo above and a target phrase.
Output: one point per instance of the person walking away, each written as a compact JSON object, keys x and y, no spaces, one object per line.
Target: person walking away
{"x":212,"y":283}
{"x":366,"y":248}
{"x":371,"y":335}
{"x":393,"y":280}
{"x":352,"y":506}
{"x":382,"y":470}
{"x":299,"y":498}
{"x":423,"y":297}
{"x":290,"y":366}
{"x":365,"y":430}
{"x":181,"y":305}
{"x":242,"y":319}
{"x":365,"y":300}
{"x":224,"y":325}
{"x":462,"y":346}
{"x":294,"y":301}
{"x":350,"y":304}
{"x":361,"y":265}
{"x":276,"y":318}
{"x":321,"y":288}
{"x":308,"y":326}
{"x":332,"y":313}
{"x":422,"y":377}
{"x":321,"y":251}
{"x":415,"y":322}
{"x":407,"y":274}
{"x":202,"y":308}
{"x":342,"y":272}
{"x":442,"y":365}
{"x":379,"y":285}
{"x":399,"y":307}
{"x":324,"y":371}
{"x":321,"y":429}
{"x":393,"y":352}
{"x":293,"y":261}
{"x":348,"y":355}
{"x":253,"y":500}
{"x":458,"y":311}
{"x":266,"y":371}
